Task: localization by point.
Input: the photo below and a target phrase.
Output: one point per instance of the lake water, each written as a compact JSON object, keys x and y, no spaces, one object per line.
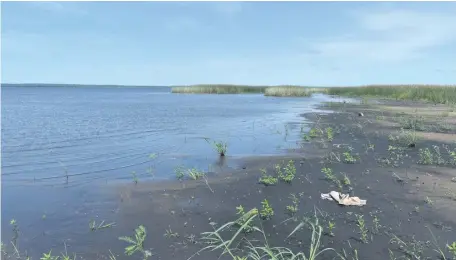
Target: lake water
{"x":62,"y":145}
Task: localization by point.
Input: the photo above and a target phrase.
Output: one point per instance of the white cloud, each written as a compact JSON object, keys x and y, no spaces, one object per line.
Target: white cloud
{"x":390,"y":36}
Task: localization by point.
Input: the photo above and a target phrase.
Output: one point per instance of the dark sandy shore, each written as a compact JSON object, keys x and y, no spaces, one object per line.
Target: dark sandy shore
{"x":406,"y":198}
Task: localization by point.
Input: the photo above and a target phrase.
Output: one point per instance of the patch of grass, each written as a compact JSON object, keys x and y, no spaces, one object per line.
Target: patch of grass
{"x":329,"y":175}
{"x":266,"y":210}
{"x":346,"y":180}
{"x":413,"y":123}
{"x":267,"y":179}
{"x":404,"y":138}
{"x":137,"y":243}
{"x":255,"y":249}
{"x":432,"y":93}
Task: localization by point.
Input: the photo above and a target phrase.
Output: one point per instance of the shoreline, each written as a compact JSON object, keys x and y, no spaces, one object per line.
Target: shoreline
{"x":412,"y":197}
{"x":405,"y":199}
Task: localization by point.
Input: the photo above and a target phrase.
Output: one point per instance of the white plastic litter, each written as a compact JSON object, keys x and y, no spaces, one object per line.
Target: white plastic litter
{"x":343,"y":199}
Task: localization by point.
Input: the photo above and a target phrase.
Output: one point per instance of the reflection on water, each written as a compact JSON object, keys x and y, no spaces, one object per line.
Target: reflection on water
{"x":61,"y":145}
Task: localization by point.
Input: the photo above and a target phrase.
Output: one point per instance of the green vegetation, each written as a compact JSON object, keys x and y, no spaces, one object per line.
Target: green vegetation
{"x":291,"y":91}
{"x":266,"y":210}
{"x":286,"y":173}
{"x":218,"y":89}
{"x":137,"y":243}
{"x":293,"y":209}
{"x":362,"y":228}
{"x":277,"y":91}
{"x":431,"y":93}
{"x":195,"y":174}
{"x":267,"y":179}
{"x":220,"y":147}
{"x":262,"y":249}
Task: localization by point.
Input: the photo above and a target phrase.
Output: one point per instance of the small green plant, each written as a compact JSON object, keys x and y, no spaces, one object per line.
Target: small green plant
{"x":329,"y":133}
{"x":135,"y":177}
{"x":266,"y":210}
{"x":315,"y":132}
{"x":49,"y":256}
{"x":244,"y":218}
{"x":306,"y":137}
{"x":349,"y":158}
{"x":267,"y":179}
{"x":331,"y":226}
{"x":362,"y":228}
{"x":331,"y":177}
{"x":346,"y":180}
{"x":288,"y":173}
{"x":428,"y":201}
{"x":180,"y":172}
{"x":137,"y":243}
{"x":93,"y":226}
{"x":195,"y":174}
{"x":13,"y":223}
{"x":293,"y":208}
{"x":452,"y":249}
{"x":376,"y":222}
{"x":220,"y":147}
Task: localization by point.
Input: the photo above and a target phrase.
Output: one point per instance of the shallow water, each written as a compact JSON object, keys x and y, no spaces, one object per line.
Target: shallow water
{"x":61,"y":147}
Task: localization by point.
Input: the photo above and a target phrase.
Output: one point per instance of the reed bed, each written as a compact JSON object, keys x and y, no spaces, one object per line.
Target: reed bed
{"x":438,"y":94}
{"x":218,"y":89}
{"x":292,"y":91}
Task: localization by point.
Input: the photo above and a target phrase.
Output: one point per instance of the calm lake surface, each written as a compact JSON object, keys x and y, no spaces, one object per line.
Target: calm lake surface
{"x":63,"y":146}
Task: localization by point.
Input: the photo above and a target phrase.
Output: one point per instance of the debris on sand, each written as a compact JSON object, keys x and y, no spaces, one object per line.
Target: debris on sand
{"x":360,"y":114}
{"x":343,"y":199}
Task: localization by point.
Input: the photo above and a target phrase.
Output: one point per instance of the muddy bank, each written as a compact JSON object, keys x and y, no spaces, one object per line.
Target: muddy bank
{"x":408,"y":195}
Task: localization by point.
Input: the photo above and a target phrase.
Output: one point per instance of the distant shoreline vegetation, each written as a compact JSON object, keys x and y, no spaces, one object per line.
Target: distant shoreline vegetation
{"x":278,"y":91}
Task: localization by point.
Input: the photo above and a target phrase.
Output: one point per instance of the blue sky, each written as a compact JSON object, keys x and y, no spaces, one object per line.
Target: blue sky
{"x":171,"y":43}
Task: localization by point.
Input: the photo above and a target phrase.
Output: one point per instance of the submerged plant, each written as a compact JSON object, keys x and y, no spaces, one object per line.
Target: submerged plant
{"x":93,"y":226}
{"x":220,"y":147}
{"x":137,"y":243}
{"x":180,"y":172}
{"x":195,"y":174}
